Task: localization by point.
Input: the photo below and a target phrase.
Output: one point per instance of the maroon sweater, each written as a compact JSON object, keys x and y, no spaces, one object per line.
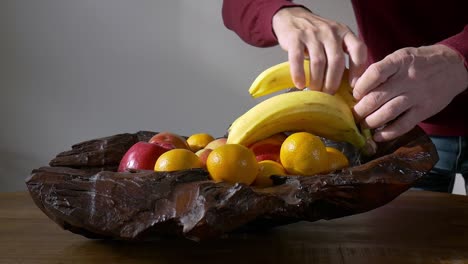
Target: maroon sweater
{"x":385,"y":26}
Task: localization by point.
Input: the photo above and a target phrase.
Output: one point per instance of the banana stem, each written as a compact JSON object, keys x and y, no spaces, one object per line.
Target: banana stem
{"x":370,"y":147}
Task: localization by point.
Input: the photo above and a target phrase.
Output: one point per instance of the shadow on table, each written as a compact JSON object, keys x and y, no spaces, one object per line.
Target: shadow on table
{"x":281,"y":245}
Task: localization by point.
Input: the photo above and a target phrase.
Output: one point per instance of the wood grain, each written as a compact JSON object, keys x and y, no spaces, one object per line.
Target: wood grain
{"x":417,"y":227}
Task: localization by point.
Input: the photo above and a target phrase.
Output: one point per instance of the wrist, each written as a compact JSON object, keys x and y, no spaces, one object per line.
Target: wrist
{"x":455,"y":57}
{"x":453,"y":53}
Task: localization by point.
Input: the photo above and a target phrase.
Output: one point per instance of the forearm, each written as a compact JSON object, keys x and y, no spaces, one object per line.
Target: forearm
{"x":251,"y":19}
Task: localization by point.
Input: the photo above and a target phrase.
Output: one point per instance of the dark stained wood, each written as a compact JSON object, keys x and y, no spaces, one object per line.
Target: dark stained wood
{"x":87,"y":199}
{"x":101,"y":153}
{"x":416,"y":227}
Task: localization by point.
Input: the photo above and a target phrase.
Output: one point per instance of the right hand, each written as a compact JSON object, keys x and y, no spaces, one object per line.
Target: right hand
{"x":301,"y":32}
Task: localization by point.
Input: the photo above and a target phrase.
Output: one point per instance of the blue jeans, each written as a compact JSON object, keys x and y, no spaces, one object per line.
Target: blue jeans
{"x":453,"y":159}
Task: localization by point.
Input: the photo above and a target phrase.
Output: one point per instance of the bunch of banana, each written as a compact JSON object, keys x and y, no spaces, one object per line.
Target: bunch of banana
{"x":278,"y":77}
{"x":316,"y":112}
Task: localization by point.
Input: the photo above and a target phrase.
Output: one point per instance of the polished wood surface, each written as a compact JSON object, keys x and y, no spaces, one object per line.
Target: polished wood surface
{"x":417,"y":227}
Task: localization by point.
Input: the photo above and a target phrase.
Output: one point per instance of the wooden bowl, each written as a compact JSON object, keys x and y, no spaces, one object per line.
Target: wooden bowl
{"x":82,"y":192}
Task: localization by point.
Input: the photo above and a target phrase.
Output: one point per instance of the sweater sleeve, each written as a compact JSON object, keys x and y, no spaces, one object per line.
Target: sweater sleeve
{"x":251,"y":19}
{"x":459,"y":42}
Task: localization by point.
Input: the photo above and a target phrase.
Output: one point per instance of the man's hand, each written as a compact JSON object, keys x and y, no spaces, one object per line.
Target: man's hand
{"x":407,"y":87}
{"x":299,"y":31}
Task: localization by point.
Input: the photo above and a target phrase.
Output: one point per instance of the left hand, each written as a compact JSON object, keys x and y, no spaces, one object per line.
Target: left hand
{"x":407,"y":87}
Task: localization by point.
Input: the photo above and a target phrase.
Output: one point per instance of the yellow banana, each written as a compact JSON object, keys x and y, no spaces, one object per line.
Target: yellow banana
{"x":312,"y":111}
{"x":322,"y":114}
{"x":276,"y":78}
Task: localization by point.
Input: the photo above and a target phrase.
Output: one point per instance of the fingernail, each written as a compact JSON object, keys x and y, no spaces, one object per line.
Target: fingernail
{"x":356,"y":95}
{"x":353,"y":81}
{"x":300,"y":85}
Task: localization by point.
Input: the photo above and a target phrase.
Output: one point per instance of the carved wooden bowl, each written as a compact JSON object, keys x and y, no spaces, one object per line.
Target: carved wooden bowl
{"x":82,"y":192}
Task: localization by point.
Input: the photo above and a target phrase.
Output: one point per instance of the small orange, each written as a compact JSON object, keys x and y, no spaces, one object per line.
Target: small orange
{"x":266,"y":169}
{"x":303,"y":153}
{"x":232,"y":163}
{"x":177,"y":159}
{"x":336,"y":159}
{"x":199,"y":141}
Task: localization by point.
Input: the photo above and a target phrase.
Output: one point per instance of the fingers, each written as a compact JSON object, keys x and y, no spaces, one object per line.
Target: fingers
{"x":335,"y":65}
{"x":398,"y":127}
{"x":376,"y":99}
{"x":357,"y":52}
{"x":375,"y":75}
{"x":327,"y":59}
{"x":324,"y":41}
{"x":327,"y":63}
{"x":296,"y":61}
{"x":318,"y":62}
{"x":388,"y":112}
{"x":383,"y":100}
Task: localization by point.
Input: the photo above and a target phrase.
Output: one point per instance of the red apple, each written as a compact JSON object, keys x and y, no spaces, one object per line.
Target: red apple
{"x":142,"y":156}
{"x":166,"y":145}
{"x":169,"y":137}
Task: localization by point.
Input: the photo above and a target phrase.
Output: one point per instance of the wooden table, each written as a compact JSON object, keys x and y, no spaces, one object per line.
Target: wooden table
{"x":417,"y":227}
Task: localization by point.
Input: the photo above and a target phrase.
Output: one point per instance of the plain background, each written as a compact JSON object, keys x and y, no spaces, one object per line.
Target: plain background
{"x":77,"y":70}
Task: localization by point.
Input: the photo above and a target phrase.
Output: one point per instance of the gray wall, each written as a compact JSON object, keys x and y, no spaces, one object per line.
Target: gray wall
{"x":77,"y":70}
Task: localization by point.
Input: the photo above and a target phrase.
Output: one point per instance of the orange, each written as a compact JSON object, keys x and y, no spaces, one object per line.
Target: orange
{"x":266,"y":169}
{"x":199,"y":141}
{"x":232,"y":163}
{"x":177,"y":159}
{"x":336,"y":159}
{"x":303,"y":153}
